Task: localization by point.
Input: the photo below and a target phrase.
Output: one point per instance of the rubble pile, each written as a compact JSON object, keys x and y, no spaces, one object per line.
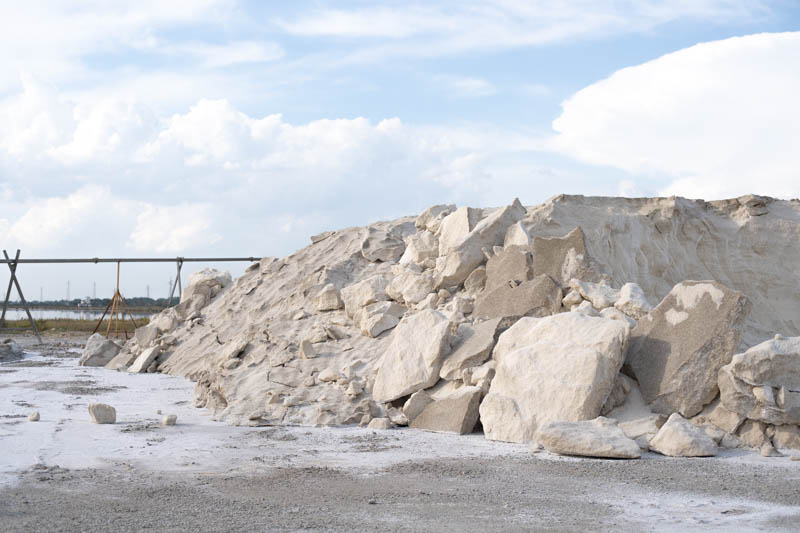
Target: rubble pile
{"x":535,"y":325}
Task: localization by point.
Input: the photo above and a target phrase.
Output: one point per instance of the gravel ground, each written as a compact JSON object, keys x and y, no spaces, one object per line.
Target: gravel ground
{"x":500,"y":494}
{"x":205,"y":476}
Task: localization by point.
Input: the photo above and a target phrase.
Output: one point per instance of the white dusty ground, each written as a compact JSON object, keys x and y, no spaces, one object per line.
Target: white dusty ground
{"x":690,"y":497}
{"x":65,"y":435}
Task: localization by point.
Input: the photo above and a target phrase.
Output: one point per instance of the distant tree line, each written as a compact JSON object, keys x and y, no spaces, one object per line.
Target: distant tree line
{"x":136,"y":301}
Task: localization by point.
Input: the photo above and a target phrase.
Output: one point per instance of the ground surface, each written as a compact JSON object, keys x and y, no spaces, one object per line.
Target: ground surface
{"x":65,"y":474}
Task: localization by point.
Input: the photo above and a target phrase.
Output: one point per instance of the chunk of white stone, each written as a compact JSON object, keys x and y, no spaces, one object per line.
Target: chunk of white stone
{"x":601,"y":296}
{"x":677,"y":362}
{"x":328,"y":299}
{"x":680,"y":438}
{"x":363,"y":293}
{"x":102,"y":413}
{"x":632,"y":301}
{"x":600,"y":437}
{"x":99,"y":351}
{"x":544,"y":375}
{"x":145,"y":359}
{"x":414,"y":357}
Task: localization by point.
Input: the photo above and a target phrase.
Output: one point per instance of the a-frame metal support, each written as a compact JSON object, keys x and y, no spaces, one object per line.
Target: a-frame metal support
{"x":12,"y":266}
{"x":177,"y":283}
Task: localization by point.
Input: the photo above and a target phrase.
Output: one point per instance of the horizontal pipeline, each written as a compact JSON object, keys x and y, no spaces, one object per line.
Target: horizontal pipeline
{"x":135,"y":260}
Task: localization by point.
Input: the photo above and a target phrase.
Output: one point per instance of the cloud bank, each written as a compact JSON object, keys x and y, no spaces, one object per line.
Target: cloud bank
{"x":718,"y":119}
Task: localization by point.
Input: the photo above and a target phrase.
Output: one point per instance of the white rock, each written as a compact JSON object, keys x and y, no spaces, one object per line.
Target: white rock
{"x":169,"y":420}
{"x":306,"y":349}
{"x":600,"y":437}
{"x":376,"y":318}
{"x":474,"y":348}
{"x":144,"y":360}
{"x":455,"y":227}
{"x":619,"y":393}
{"x":561,"y":258}
{"x":787,"y":437}
{"x":379,"y":245}
{"x":585,"y":308}
{"x":145,"y":336}
{"x":476,"y":281}
{"x":412,"y":361}
{"x":420,"y":247}
{"x":679,"y":438}
{"x":719,"y":416}
{"x":416,"y":403}
{"x":677,"y":350}
{"x":517,"y":235}
{"x":102,"y":413}
{"x":380,"y":423}
{"x":572,"y":299}
{"x":768,"y":450}
{"x":328,"y":299}
{"x":632,"y":301}
{"x":615,"y":314}
{"x":99,"y":351}
{"x":431,"y":218}
{"x":456,"y":412}
{"x":34,"y":416}
{"x":465,"y":253}
{"x":601,"y":296}
{"x":763,"y":383}
{"x":363,"y":293}
{"x":545,"y":376}
{"x":410,"y":287}
{"x":10,"y":350}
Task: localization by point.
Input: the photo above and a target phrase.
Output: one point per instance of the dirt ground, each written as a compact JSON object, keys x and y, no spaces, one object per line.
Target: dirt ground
{"x":65,"y":474}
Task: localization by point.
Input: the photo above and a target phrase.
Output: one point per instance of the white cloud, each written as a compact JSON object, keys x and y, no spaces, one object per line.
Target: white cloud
{"x":227,"y":54}
{"x":717,"y":119}
{"x":173,"y":228}
{"x":442,"y":28}
{"x":91,"y":217}
{"x":467,"y":87}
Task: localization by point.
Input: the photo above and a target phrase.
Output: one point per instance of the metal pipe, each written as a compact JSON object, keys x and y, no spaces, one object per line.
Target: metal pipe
{"x":135,"y":260}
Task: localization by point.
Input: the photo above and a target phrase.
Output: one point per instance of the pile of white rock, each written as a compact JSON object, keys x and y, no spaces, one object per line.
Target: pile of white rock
{"x":533,"y":325}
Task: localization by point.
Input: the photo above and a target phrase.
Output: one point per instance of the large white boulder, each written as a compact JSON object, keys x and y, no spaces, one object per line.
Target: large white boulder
{"x":763,"y":383}
{"x":680,"y":438}
{"x":557,"y":368}
{"x":600,"y":437}
{"x":99,"y":351}
{"x":678,"y":348}
{"x":412,"y":361}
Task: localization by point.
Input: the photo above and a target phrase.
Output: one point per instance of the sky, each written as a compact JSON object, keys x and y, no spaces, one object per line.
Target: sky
{"x":240,"y":128}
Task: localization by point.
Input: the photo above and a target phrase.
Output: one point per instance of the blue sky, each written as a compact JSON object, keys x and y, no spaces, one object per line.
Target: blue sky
{"x":218,"y":127}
